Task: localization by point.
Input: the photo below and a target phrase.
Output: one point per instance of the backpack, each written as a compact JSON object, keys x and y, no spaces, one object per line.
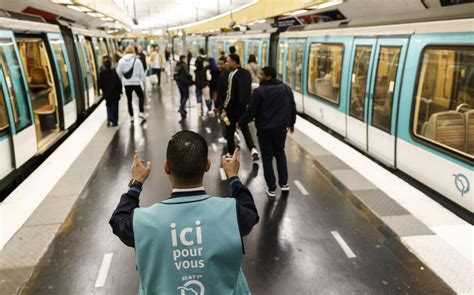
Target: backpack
{"x":128,"y":74}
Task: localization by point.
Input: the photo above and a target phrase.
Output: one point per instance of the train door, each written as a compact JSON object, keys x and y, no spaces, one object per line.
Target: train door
{"x":6,"y":147}
{"x":264,"y":53}
{"x":85,"y":70}
{"x":22,"y":130}
{"x":64,"y":74}
{"x":93,"y":72}
{"x":298,"y":73}
{"x":376,"y":68}
{"x":281,"y":60}
{"x":361,"y":70}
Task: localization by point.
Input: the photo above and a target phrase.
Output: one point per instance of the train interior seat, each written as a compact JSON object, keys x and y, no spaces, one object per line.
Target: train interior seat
{"x":469,"y":132}
{"x":447,"y":128}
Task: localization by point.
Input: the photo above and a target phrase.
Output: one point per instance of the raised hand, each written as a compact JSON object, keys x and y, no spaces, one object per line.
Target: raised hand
{"x":140,"y":172}
{"x":231,"y":166}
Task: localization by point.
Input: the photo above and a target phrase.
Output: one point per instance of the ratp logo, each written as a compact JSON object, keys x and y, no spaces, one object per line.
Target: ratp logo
{"x":193,"y":287}
{"x":462,"y":183}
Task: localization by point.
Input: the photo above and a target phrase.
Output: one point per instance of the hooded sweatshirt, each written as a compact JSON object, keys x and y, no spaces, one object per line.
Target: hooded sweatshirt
{"x":125,"y":64}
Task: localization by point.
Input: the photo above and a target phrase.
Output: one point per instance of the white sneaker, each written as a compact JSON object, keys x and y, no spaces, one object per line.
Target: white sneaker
{"x":285,"y":188}
{"x":254,"y":153}
{"x":228,"y":156}
{"x":236,"y":138}
{"x":210,"y":113}
{"x":271,"y":194}
{"x":221,"y":140}
{"x":132,"y":119}
{"x":142,"y":116}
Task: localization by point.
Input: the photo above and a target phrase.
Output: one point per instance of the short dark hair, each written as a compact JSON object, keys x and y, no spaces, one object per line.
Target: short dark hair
{"x":235,"y":57}
{"x":252,"y":58}
{"x":107,"y":62}
{"x":269,"y":71}
{"x":187,"y":156}
{"x":182,"y":57}
{"x":202,"y":51}
{"x":223,"y":58}
{"x":232,"y":49}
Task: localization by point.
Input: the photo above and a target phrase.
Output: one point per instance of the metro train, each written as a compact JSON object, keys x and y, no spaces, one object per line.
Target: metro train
{"x":48,"y":84}
{"x":402,"y":94}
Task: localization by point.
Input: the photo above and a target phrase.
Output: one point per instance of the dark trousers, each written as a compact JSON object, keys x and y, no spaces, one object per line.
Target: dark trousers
{"x":272,"y":144}
{"x":229,"y":136}
{"x":141,"y":98}
{"x":158,"y":74}
{"x":112,"y":111}
{"x":184,"y":94}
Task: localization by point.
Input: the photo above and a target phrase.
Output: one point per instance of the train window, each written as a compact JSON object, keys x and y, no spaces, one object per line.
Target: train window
{"x":63,"y":70}
{"x":360,"y":72}
{"x":325,"y":64}
{"x":240,"y":50}
{"x":444,"y":98}
{"x":4,"y":124}
{"x":264,"y":54}
{"x":255,"y":50}
{"x":299,"y":66}
{"x":289,"y":64}
{"x":102,"y":50}
{"x":281,"y":52}
{"x":220,"y":48}
{"x":15,"y":84}
{"x":384,"y":86}
{"x":90,"y":59}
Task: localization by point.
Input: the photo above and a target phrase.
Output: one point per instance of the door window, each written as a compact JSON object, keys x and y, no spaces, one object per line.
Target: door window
{"x":325,"y":65}
{"x":444,"y":98}
{"x":281,"y":53}
{"x":240,"y":50}
{"x":15,"y":84}
{"x":289,"y":64}
{"x":63,"y":69}
{"x":299,"y":66}
{"x":360,"y":72}
{"x":384,"y":86}
{"x":263,"y":62}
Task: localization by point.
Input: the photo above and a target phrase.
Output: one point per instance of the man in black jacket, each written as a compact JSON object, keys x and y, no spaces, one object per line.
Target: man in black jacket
{"x":239,"y":92}
{"x":274,"y":109}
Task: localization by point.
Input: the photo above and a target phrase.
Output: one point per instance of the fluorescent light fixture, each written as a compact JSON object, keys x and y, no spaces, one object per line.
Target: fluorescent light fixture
{"x":96,"y":14}
{"x":107,"y":19}
{"x":327,"y":4}
{"x":63,"y":2}
{"x":261,"y":21}
{"x":287,"y":14}
{"x":79,"y":8}
{"x":299,"y":11}
{"x":145,"y":32}
{"x":180,"y":33}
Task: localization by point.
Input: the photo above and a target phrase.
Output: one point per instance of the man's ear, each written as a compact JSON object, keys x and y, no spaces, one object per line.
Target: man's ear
{"x":208,"y":165}
{"x":166,"y":167}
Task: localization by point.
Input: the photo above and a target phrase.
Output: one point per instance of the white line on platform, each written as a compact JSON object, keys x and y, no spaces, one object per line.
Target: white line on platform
{"x":301,"y":188}
{"x":222,"y":173}
{"x":343,"y":244}
{"x":104,"y":270}
{"x":208,"y":130}
{"x":214,"y":147}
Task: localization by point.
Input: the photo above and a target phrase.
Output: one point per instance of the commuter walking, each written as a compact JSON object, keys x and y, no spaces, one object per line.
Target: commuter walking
{"x":238,"y":95}
{"x":213,"y":83}
{"x":222,"y":84}
{"x":183,"y":80}
{"x":190,"y":243}
{"x":273,"y":107}
{"x":201,"y":81}
{"x":254,"y":70}
{"x":142,"y":56}
{"x":130,"y":70}
{"x":157,"y":63}
{"x":111,"y":87}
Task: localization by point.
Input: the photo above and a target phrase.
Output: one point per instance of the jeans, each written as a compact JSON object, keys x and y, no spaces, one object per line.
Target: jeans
{"x":141,"y":98}
{"x":229,"y":136}
{"x":272,"y":144}
{"x":158,"y":74}
{"x":112,"y":111}
{"x":184,"y":93}
{"x":200,"y":92}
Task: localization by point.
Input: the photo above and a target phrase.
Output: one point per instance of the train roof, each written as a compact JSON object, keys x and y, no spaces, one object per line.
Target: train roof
{"x":90,"y":33}
{"x":246,"y":35}
{"x":460,"y":25}
{"x":27,"y":26}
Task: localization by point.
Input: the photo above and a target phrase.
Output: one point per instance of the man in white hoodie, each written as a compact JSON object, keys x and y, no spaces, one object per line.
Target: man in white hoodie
{"x":130,"y":71}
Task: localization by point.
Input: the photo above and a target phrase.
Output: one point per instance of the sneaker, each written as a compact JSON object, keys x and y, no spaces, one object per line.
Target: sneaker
{"x":132,"y":119}
{"x":109,"y":124}
{"x":210,"y":114}
{"x":285,"y":188}
{"x":236,"y":138}
{"x":254,"y":153}
{"x":271,"y":194}
{"x":228,"y":156}
{"x":142,"y":116}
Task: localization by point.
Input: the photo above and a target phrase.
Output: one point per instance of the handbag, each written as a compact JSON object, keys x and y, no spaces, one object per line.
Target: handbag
{"x":128,"y":74}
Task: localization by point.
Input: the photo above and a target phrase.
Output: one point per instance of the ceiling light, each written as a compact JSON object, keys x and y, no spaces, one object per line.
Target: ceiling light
{"x":261,"y":21}
{"x":107,"y":19}
{"x":251,"y":24}
{"x":299,"y":11}
{"x":145,"y":32}
{"x":64,"y":2}
{"x":79,"y":8}
{"x":96,"y":14}
{"x":287,"y":14}
{"x":180,"y":33}
{"x":327,"y":4}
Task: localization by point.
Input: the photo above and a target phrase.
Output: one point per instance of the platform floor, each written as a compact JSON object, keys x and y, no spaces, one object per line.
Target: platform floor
{"x":293,"y":250}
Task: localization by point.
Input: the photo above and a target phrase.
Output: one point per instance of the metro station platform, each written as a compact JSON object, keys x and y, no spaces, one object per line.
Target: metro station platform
{"x":348,"y":226}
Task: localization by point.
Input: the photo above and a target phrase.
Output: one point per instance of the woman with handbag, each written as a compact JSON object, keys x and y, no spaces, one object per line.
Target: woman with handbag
{"x":183,"y":80}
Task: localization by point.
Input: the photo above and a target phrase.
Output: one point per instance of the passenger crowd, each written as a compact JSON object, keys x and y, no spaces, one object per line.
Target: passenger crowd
{"x":237,"y":95}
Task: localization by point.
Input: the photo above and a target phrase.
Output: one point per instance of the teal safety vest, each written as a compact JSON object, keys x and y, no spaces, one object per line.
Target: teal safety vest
{"x":189,"y":246}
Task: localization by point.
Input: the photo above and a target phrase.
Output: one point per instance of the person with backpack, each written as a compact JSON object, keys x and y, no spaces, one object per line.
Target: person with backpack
{"x":201,"y":81}
{"x":183,"y":81}
{"x":131,"y":72}
{"x":111,"y":87}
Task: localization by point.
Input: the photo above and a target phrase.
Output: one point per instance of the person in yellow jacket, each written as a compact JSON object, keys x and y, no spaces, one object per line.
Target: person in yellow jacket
{"x":157,"y":62}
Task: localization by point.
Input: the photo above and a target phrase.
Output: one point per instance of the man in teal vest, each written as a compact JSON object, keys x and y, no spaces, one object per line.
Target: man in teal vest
{"x":190,"y":243}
